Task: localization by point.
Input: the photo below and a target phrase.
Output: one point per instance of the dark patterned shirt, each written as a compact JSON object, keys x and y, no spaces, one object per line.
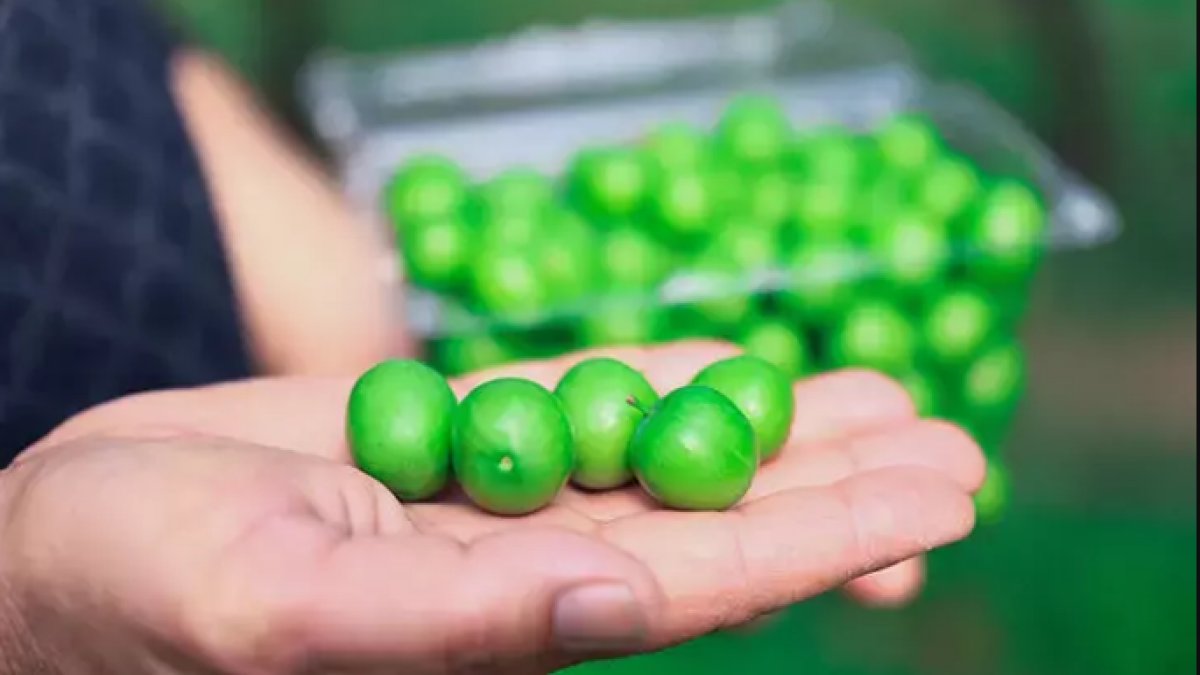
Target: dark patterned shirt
{"x":112,"y":276}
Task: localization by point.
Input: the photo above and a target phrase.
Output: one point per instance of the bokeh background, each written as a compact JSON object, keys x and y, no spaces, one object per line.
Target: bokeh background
{"x":1093,"y":569}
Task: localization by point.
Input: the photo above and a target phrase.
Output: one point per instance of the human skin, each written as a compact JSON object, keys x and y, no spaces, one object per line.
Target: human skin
{"x":316,"y":287}
{"x":222,"y":529}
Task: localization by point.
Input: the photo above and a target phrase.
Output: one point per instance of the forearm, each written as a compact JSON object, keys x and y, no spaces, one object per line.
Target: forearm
{"x":308,"y":274}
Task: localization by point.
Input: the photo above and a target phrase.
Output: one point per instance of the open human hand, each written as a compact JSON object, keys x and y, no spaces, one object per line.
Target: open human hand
{"x":222,"y":529}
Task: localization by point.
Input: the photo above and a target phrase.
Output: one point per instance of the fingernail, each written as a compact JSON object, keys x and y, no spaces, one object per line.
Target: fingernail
{"x":598,"y":617}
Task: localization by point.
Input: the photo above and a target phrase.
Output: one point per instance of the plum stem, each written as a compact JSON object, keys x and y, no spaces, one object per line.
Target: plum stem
{"x":633,"y":403}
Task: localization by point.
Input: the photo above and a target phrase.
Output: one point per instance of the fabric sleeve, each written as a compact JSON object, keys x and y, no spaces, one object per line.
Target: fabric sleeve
{"x":112,"y":275}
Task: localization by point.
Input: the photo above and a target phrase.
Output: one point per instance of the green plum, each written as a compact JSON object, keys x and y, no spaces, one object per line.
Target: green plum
{"x":678,"y":147}
{"x":948,"y":187}
{"x":684,"y":209}
{"x":695,"y":451}
{"x":468,"y":353}
{"x":992,"y":499}
{"x":993,"y":384}
{"x":769,"y":198}
{"x":516,"y":192}
{"x":907,"y":143}
{"x":510,"y":230}
{"x":507,"y":283}
{"x":398,"y":425}
{"x":1005,"y":235}
{"x":437,"y":252}
{"x":604,"y":399}
{"x":881,"y":201}
{"x":754,"y":131}
{"x":750,"y":244}
{"x":762,"y":392}
{"x":957,"y":324}
{"x":567,"y":259}
{"x":923,"y":391}
{"x":611,"y":182}
{"x":875,"y":334}
{"x":777,"y":343}
{"x":829,"y":155}
{"x":621,"y":323}
{"x":823,"y":209}
{"x":912,"y":251}
{"x":824,"y":280}
{"x":630,"y":259}
{"x":425,"y":188}
{"x":512,"y":446}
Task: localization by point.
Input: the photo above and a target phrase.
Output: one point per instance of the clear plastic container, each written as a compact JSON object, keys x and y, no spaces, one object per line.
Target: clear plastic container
{"x":535,"y":98}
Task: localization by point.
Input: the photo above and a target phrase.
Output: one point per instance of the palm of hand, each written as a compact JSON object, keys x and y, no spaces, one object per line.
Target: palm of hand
{"x":267,"y":553}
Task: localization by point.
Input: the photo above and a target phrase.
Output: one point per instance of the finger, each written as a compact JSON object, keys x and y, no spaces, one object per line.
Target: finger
{"x":307,"y":414}
{"x":930,"y":444}
{"x":827,"y":406}
{"x":416,"y":600}
{"x":845,"y":403}
{"x":462,"y":521}
{"x":894,"y":586}
{"x":667,"y":367}
{"x":720,"y":570}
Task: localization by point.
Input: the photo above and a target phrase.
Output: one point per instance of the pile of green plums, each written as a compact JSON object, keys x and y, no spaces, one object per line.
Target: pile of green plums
{"x":512,"y":445}
{"x":897,"y":252}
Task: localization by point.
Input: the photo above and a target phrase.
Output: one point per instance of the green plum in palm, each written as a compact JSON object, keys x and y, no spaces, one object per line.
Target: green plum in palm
{"x":604,"y":400}
{"x":695,"y":451}
{"x":512,"y":449}
{"x":762,"y":392}
{"x":398,"y":426}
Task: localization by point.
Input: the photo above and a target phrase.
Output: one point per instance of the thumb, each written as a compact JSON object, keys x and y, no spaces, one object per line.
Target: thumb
{"x":420,"y":601}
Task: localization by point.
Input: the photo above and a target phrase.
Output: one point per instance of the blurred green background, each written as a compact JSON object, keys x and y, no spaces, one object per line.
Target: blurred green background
{"x":1094,"y":569}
